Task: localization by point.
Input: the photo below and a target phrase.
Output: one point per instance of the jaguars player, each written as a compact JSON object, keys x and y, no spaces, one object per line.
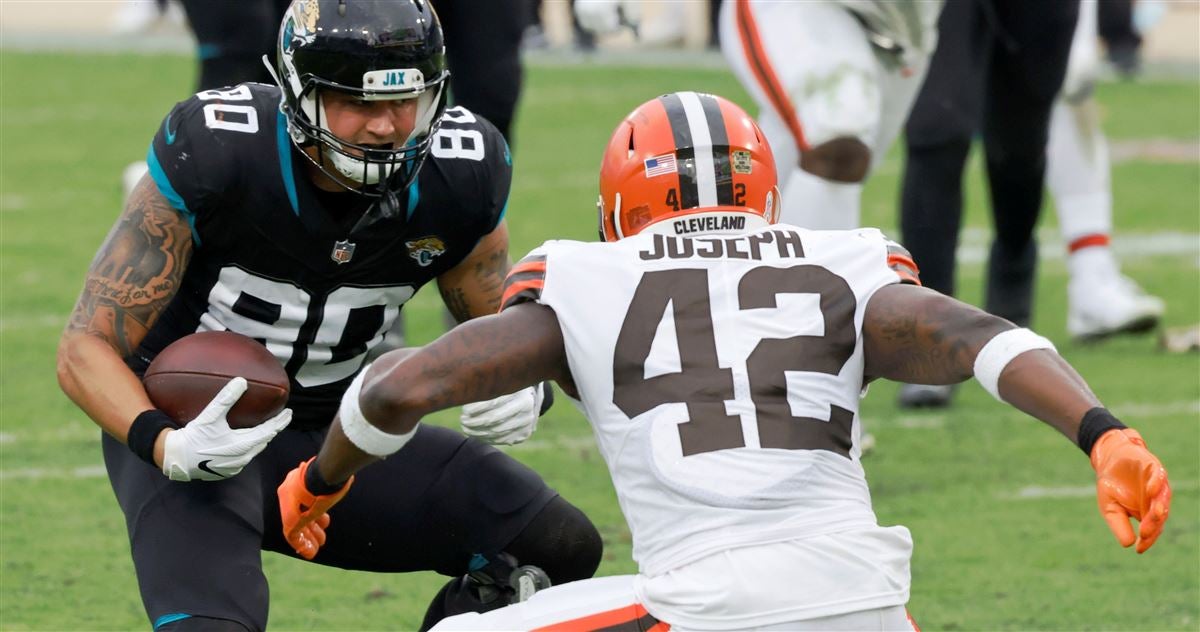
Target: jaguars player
{"x":305,"y":215}
{"x":720,"y":359}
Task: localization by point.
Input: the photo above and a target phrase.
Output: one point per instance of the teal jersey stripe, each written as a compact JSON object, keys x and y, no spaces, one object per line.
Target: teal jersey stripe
{"x":414,"y":196}
{"x":285,"y":162}
{"x":168,"y":191}
{"x":170,"y":618}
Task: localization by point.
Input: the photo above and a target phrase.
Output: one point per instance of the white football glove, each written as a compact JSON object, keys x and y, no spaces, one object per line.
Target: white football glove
{"x":207,"y":449}
{"x":506,"y":420}
{"x":603,"y":17}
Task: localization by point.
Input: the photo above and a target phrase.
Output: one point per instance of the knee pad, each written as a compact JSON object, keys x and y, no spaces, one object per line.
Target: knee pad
{"x":560,"y":540}
{"x":843,"y":159}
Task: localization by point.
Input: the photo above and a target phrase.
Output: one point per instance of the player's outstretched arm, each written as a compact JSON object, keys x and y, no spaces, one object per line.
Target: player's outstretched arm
{"x":478,"y":360}
{"x":916,"y":335}
{"x":474,"y":288}
{"x":133,"y":277}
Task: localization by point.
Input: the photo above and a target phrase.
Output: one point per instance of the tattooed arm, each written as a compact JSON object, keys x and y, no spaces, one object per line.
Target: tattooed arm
{"x":473,"y":288}
{"x":133,"y":277}
{"x":912,"y":334}
{"x":478,"y":360}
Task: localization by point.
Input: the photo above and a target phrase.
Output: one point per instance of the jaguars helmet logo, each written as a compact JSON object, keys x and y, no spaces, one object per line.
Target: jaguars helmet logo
{"x":301,"y":26}
{"x":423,"y":250}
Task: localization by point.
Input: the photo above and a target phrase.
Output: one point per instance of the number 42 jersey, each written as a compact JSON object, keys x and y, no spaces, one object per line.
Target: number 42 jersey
{"x":722,"y":377}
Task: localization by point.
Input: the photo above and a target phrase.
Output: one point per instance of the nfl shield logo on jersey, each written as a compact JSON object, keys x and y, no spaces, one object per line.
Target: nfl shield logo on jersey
{"x":342,"y":251}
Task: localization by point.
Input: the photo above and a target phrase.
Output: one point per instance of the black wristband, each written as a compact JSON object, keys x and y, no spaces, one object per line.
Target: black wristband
{"x":1096,"y":422}
{"x":144,"y":432}
{"x":316,"y":484}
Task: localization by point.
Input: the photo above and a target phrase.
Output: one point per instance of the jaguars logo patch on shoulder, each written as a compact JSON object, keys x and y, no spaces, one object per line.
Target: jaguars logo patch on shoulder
{"x":424,"y":249}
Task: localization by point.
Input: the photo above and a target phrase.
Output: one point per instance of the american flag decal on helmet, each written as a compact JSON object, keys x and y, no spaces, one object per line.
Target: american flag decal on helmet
{"x":660,"y":165}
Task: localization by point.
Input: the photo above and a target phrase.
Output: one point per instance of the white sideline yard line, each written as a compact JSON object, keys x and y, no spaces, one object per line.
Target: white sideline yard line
{"x":1128,"y":246}
{"x":33,"y":321}
{"x":41,"y":473}
{"x":1040,"y":492}
{"x":1129,"y":411}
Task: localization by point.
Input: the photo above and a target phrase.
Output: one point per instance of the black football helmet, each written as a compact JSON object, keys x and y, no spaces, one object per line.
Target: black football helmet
{"x":375,"y":49}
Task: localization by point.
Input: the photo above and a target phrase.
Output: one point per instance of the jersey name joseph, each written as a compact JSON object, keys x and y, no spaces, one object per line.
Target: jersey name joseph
{"x":722,"y":377}
{"x":274,"y":260}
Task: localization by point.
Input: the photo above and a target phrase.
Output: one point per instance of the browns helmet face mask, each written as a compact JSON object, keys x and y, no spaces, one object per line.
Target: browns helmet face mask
{"x":683,"y":164}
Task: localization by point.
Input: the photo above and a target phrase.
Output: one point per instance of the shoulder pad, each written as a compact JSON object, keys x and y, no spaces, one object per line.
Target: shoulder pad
{"x":525,"y":280}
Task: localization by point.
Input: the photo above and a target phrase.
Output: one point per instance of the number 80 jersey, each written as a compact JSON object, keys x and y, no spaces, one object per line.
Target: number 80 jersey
{"x":281,"y":261}
{"x":721,"y":376}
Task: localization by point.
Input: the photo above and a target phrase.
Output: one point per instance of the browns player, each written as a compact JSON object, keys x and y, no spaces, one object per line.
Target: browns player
{"x":305,"y":215}
{"x":720,"y":358}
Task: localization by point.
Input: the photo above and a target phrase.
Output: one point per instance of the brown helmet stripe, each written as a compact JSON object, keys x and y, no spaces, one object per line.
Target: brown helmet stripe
{"x":685,"y":153}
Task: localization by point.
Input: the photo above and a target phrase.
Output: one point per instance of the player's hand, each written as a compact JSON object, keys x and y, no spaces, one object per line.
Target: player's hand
{"x":207,"y":449}
{"x":304,"y":514}
{"x":1130,"y":483}
{"x":603,"y":17}
{"x":508,"y":419}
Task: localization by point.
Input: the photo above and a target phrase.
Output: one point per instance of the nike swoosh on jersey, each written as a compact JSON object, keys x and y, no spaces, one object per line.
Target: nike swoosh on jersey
{"x":170,"y":137}
{"x":203,"y":466}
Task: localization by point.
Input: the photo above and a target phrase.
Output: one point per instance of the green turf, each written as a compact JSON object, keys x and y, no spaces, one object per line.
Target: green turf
{"x":984,"y":559}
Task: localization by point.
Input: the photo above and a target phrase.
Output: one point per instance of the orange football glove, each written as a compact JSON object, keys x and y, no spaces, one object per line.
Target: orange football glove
{"x":1130,"y":483}
{"x":304,"y":515}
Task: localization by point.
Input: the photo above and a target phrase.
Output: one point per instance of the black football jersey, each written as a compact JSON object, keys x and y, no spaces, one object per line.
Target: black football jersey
{"x":274,"y":262}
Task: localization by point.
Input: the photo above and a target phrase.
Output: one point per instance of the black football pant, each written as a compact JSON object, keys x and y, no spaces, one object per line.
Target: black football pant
{"x":998,"y":67}
{"x":439,"y":504}
{"x":483,"y":47}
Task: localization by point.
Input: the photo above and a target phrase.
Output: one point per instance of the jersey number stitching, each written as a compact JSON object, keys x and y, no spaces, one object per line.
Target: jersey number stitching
{"x":704,"y":386}
{"x":225,"y":116}
{"x":320,"y":339}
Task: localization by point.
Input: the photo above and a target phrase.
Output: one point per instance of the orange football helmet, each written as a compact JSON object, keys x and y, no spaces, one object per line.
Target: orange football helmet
{"x":687,"y":155}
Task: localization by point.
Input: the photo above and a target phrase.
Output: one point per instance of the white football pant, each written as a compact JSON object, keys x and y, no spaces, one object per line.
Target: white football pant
{"x":603,"y":602}
{"x":816,"y":77}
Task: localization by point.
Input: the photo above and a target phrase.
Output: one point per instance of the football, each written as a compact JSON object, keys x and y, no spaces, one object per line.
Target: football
{"x":185,"y":377}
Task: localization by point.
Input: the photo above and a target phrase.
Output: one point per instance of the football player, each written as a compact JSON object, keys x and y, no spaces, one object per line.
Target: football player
{"x":720,"y":359}
{"x":998,"y":67}
{"x":305,"y":215}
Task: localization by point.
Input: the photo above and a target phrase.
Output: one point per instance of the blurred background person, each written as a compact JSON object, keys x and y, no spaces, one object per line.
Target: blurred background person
{"x":483,"y":47}
{"x":231,"y":39}
{"x":1122,"y":38}
{"x":1101,"y":301}
{"x":834,"y":81}
{"x":998,"y":67}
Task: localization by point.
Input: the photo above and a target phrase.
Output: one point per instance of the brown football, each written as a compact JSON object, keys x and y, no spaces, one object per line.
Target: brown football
{"x":185,"y":377}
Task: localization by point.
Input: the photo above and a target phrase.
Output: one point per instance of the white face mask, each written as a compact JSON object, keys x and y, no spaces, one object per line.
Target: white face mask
{"x":369,"y":173}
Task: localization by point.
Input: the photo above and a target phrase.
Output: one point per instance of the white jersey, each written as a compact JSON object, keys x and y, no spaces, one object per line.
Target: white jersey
{"x":722,"y":378}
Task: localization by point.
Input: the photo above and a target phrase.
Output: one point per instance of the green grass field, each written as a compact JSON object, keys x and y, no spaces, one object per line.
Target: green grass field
{"x":1006,"y":528}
